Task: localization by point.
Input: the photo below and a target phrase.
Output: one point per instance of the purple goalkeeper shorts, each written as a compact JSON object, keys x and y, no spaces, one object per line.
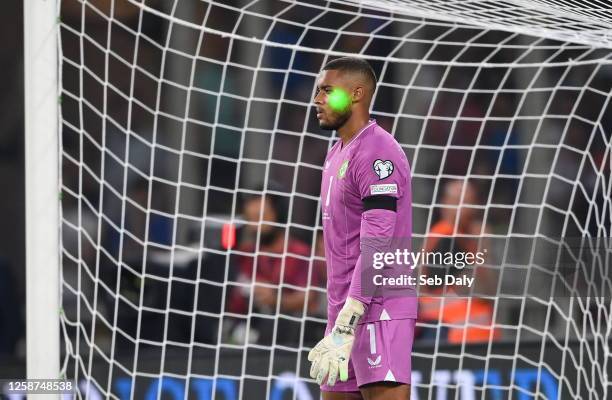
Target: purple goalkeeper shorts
{"x":382,"y":352}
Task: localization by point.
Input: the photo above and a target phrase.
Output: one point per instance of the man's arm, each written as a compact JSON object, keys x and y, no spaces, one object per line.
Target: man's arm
{"x":330,"y":356}
{"x":377,"y":227}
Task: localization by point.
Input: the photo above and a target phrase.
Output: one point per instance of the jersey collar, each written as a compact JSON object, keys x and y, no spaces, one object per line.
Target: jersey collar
{"x":369,"y":124}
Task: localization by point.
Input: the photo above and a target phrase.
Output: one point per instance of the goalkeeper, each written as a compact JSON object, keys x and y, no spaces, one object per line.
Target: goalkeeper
{"x":365,"y":193}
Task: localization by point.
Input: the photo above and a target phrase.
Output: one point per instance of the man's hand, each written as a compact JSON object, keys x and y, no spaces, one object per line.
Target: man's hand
{"x":331,"y":355}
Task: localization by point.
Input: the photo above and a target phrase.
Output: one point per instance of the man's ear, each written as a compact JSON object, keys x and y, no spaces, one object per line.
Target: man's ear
{"x":358,"y":94}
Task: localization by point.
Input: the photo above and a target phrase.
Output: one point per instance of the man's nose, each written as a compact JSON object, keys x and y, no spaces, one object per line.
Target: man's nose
{"x":318,"y":99}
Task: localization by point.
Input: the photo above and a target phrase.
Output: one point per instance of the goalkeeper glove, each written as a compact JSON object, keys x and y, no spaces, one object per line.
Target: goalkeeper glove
{"x":331,"y":355}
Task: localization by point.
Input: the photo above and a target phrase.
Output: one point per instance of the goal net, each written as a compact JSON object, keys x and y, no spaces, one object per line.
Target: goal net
{"x":177,"y":117}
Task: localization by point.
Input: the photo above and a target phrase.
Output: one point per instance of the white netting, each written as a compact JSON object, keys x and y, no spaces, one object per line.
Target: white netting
{"x":585,"y":22}
{"x":177,"y":114}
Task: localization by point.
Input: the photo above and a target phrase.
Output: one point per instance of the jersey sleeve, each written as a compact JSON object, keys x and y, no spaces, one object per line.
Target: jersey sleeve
{"x":376,"y":231}
{"x":381,"y":170}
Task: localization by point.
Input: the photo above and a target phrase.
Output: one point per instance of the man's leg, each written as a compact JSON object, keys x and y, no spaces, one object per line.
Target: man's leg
{"x":341,"y":395}
{"x":385,"y":391}
{"x":382,"y":359}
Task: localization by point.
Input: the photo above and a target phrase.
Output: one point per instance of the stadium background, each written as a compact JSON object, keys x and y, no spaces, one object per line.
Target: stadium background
{"x":285,"y":149}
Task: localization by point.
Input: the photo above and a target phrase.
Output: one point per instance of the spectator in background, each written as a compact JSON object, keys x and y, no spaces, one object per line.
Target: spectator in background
{"x":138,"y":227}
{"x":271,"y":266}
{"x":456,"y":231}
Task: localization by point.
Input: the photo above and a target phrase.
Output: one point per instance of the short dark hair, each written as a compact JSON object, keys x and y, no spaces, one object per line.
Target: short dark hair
{"x":353,"y":64}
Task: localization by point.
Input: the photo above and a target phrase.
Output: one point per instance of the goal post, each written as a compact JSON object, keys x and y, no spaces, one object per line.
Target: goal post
{"x":42,"y":189}
{"x":175,"y":115}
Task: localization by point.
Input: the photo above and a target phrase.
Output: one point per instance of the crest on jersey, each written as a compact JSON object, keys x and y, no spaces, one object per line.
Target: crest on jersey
{"x":383,"y":168}
{"x":342,"y":169}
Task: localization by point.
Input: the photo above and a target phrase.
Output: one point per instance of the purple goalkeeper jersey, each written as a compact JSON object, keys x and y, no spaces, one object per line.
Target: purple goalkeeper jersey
{"x":372,"y":163}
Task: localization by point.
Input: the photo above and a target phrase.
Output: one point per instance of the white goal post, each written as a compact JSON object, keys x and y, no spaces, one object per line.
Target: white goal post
{"x":42,"y":188}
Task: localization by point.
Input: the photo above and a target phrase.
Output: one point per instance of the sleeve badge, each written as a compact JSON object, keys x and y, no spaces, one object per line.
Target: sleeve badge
{"x":383,"y":168}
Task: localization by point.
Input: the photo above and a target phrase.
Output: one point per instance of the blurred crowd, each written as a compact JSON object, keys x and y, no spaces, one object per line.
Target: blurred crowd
{"x":214,"y":199}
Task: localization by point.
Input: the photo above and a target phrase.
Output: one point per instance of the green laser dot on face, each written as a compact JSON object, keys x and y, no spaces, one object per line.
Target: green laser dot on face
{"x":339,"y":100}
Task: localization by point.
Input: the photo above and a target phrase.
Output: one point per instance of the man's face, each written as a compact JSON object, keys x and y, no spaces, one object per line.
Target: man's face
{"x":332,"y":99}
{"x":454,"y":196}
{"x":252,"y":211}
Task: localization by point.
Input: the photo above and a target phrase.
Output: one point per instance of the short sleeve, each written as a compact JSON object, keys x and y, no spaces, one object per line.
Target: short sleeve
{"x":380,"y":169}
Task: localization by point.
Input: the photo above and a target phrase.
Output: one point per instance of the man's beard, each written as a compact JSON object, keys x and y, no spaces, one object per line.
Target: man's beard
{"x":335,"y":125}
